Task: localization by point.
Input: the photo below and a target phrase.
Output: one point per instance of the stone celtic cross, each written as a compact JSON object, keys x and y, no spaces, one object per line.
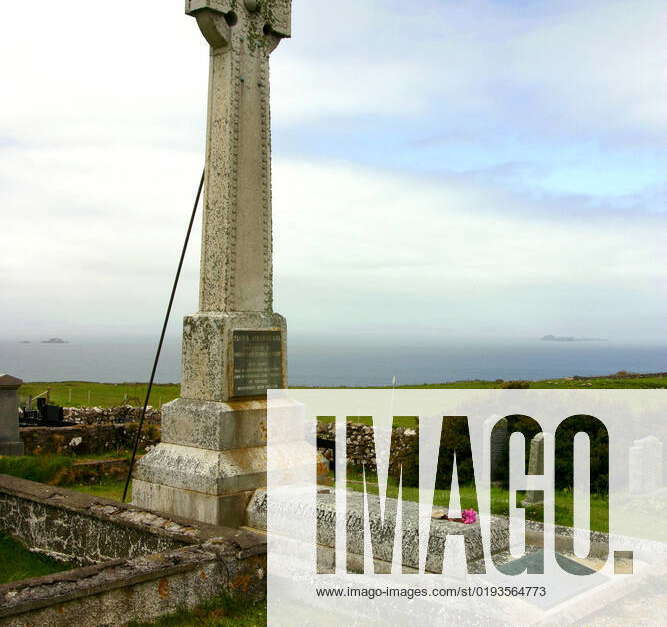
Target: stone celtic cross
{"x":212,"y":455}
{"x":236,"y":271}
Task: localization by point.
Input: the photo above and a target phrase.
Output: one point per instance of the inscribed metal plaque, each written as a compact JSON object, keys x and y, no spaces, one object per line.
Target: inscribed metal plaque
{"x":257,"y":364}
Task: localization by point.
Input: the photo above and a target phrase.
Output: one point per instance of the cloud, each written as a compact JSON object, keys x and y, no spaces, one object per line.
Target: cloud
{"x":400,"y":231}
{"x":102,"y":132}
{"x":352,"y":247}
{"x":571,"y":68}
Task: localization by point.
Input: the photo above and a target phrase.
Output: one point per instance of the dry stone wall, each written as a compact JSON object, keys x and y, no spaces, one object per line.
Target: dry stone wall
{"x":87,"y":439}
{"x":105,"y":415}
{"x":100,"y":430}
{"x":360,"y":447}
{"x":143,"y":565}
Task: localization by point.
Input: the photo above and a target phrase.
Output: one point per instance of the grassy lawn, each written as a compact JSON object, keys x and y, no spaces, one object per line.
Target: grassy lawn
{"x":40,"y":468}
{"x":499,"y":500}
{"x":218,"y":612}
{"x":17,"y":563}
{"x":86,"y":394}
{"x":47,"y":468}
{"x":78,"y":393}
{"x":107,"y":489}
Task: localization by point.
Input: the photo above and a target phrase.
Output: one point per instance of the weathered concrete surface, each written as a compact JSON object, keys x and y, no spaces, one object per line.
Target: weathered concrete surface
{"x":140,"y":589}
{"x":86,"y":529}
{"x":202,"y":484}
{"x":206,"y":485}
{"x":10,"y":442}
{"x":383,"y":534}
{"x":207,"y":350}
{"x":203,"y":470}
{"x":214,"y":426}
{"x":236,"y":260}
{"x":130,"y":580}
{"x":227,"y":510}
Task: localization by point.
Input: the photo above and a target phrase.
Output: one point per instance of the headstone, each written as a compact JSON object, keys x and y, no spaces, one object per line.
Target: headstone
{"x":499,"y":451}
{"x":536,"y":467}
{"x":213,"y":450}
{"x":645,"y":466}
{"x":10,"y":440}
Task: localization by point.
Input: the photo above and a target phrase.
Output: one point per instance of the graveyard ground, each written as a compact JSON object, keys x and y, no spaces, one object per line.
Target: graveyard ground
{"x":48,"y":469}
{"x":220,"y":612}
{"x":17,"y":563}
{"x":223,"y":612}
{"x":499,"y":499}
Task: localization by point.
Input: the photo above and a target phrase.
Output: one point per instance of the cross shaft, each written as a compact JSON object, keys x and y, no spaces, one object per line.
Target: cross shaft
{"x":236,"y":262}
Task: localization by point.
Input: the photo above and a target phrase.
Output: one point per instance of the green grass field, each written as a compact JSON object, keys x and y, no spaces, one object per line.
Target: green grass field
{"x":107,"y":489}
{"x":17,"y":563}
{"x":86,"y":394}
{"x":499,"y":499}
{"x":40,"y":468}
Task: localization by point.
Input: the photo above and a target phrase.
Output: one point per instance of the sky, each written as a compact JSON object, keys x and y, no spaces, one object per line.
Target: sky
{"x":487,"y":169}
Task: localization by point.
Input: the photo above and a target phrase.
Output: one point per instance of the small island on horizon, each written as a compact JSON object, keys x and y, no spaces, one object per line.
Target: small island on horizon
{"x":54,"y":340}
{"x":570,"y":338}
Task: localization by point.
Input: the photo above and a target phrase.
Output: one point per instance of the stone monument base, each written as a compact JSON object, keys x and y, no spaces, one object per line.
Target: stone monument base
{"x":211,"y":459}
{"x":225,"y":511}
{"x":13,"y":449}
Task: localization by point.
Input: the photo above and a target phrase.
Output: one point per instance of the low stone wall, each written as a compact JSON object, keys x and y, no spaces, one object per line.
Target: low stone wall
{"x":86,"y":439}
{"x":144,"y":565}
{"x":116,"y":592}
{"x":104,"y":415}
{"x":77,"y":527}
{"x":140,"y":589}
{"x":93,"y":437}
{"x":93,"y":472}
{"x":360,"y":446}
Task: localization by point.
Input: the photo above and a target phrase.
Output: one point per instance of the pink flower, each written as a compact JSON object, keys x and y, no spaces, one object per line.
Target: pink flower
{"x":469,"y":516}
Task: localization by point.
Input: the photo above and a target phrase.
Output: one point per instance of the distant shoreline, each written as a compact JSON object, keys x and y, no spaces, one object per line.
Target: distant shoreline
{"x":342,"y":365}
{"x":52,"y":340}
{"x":570,"y":338}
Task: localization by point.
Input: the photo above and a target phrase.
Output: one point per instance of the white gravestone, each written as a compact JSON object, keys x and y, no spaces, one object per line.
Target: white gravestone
{"x":10,"y":440}
{"x":536,"y":467}
{"x":645,"y":466}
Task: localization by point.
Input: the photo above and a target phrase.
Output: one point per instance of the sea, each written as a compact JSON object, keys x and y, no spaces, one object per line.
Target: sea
{"x":352,"y":362}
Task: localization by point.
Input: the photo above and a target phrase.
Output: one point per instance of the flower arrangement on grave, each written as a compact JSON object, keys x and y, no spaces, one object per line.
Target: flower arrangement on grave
{"x":468,"y":516}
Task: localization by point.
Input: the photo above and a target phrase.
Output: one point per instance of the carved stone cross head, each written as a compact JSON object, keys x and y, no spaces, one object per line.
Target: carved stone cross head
{"x":262,"y":23}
